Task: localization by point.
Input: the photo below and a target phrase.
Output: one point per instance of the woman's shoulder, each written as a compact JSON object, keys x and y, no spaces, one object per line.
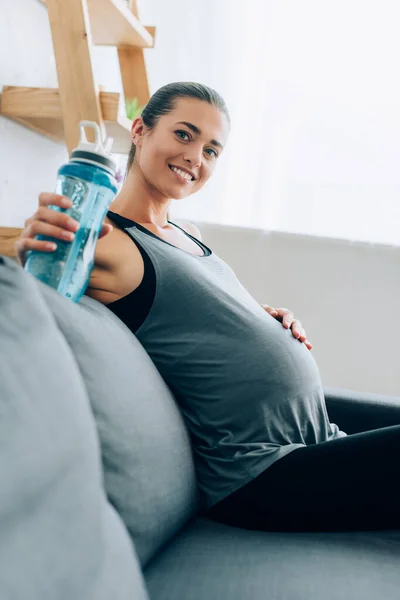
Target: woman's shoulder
{"x":190,"y":228}
{"x":118,"y":265}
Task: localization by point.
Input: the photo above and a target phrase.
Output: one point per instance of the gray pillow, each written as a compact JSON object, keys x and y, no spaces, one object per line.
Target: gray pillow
{"x":60,"y":539}
{"x":147,"y":458}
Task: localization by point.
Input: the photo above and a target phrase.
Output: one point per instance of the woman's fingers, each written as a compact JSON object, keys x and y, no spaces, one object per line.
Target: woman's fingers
{"x":52,"y":223}
{"x":49,"y":222}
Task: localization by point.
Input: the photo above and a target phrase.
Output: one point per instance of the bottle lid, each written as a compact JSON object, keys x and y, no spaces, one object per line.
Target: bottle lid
{"x":94,"y":152}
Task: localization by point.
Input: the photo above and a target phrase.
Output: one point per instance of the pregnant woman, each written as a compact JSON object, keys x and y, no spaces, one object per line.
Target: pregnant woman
{"x":244,"y":377}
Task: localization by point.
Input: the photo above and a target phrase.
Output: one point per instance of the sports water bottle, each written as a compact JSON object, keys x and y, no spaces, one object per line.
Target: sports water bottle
{"x":88,"y":179}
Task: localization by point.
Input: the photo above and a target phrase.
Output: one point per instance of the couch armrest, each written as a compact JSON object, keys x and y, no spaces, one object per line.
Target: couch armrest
{"x":355,"y":412}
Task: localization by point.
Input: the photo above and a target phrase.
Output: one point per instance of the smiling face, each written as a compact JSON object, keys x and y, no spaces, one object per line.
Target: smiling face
{"x":179,"y":155}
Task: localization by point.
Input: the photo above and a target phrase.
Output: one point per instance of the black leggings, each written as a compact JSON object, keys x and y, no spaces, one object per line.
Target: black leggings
{"x":344,"y":484}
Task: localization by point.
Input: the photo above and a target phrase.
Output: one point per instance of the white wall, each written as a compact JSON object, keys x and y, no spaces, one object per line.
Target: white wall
{"x":28,"y":161}
{"x":346,"y":294}
{"x":316,"y":122}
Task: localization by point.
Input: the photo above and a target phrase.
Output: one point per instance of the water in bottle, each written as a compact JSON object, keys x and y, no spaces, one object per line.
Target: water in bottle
{"x":88,"y":179}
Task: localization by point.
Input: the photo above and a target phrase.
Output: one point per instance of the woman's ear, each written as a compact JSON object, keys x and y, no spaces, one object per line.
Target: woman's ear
{"x":137,"y":129}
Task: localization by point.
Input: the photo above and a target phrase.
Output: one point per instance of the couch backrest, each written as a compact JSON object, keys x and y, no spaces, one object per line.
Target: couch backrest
{"x":147,"y":458}
{"x":59,"y":536}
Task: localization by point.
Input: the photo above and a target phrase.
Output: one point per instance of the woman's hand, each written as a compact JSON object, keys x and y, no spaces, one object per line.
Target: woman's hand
{"x":49,"y":222}
{"x":287,"y":319}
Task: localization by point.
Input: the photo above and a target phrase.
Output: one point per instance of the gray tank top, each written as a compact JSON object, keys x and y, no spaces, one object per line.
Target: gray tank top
{"x":249,"y":392}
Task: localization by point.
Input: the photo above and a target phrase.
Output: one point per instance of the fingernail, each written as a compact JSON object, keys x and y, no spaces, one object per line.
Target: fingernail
{"x":73,"y":224}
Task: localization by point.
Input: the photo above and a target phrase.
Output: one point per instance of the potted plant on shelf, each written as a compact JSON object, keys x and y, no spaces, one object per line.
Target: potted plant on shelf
{"x":133,"y":109}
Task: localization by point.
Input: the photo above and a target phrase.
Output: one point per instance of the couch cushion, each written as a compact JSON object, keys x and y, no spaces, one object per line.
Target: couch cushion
{"x":59,"y":537}
{"x":148,"y":467}
{"x":211,"y":560}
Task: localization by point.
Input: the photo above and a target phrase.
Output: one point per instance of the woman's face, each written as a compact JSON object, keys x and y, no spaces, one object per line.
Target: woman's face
{"x":191,"y":138}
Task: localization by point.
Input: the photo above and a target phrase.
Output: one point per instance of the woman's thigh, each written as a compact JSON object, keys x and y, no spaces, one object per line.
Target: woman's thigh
{"x":349,"y":483}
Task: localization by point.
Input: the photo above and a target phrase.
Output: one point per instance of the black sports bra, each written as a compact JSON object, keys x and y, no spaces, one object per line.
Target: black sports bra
{"x":133,"y":308}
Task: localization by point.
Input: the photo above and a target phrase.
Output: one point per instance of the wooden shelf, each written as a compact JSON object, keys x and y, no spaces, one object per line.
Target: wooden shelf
{"x":76,"y":25}
{"x":113,"y":24}
{"x":8,"y":237}
{"x":40,"y":110}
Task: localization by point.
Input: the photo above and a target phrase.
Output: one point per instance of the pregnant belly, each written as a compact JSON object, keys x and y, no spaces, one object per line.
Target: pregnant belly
{"x":276,"y":391}
{"x":276,"y":359}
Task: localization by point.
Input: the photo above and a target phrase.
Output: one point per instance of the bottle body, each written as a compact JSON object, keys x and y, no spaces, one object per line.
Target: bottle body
{"x":91,"y":189}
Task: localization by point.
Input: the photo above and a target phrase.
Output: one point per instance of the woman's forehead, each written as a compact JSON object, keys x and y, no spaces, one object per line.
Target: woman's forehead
{"x":193,"y":106}
{"x":201,"y":117}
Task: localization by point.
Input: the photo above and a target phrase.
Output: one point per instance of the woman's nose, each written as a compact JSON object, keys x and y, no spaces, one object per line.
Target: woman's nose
{"x":194,"y":157}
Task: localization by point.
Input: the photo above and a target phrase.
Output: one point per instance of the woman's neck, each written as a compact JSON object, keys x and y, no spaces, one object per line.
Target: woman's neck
{"x":137,"y":203}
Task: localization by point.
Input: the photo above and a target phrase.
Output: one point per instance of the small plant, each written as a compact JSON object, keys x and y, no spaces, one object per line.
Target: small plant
{"x":133,"y":109}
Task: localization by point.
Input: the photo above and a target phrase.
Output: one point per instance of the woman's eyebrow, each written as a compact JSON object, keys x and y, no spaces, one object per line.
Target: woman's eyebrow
{"x":198,"y":132}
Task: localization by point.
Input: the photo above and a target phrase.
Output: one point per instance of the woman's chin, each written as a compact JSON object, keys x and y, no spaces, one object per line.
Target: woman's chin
{"x":178,"y":193}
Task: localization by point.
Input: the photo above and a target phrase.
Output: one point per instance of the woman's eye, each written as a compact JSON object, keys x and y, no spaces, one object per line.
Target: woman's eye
{"x":210,"y":151}
{"x":182,"y":132}
{"x":213,"y":151}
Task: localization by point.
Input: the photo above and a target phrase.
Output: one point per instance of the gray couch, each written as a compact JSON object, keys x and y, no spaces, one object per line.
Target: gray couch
{"x":98,"y":496}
